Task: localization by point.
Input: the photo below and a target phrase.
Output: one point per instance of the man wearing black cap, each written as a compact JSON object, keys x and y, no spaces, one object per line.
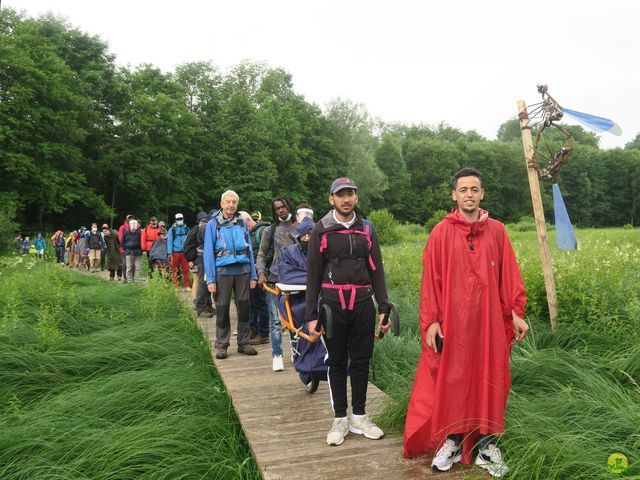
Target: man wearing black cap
{"x":345,"y":271}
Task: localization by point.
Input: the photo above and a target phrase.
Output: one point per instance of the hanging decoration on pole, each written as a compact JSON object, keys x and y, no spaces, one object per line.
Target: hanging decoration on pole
{"x":548,"y":160}
{"x":541,"y":116}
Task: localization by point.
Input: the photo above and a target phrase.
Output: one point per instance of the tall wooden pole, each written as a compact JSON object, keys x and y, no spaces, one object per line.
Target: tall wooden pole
{"x":538,"y":212}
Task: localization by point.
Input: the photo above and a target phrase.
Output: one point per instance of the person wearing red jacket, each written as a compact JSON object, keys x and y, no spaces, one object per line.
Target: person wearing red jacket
{"x":472,"y":302}
{"x":150,"y":234}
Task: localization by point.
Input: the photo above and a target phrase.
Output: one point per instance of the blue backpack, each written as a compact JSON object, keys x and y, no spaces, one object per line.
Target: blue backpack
{"x":230,"y":241}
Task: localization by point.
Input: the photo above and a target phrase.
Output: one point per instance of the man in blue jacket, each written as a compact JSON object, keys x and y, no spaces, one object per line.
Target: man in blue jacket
{"x":175,"y":251}
{"x":228,"y":265}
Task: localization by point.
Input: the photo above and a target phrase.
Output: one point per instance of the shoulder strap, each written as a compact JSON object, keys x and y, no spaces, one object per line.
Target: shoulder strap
{"x":366,"y":233}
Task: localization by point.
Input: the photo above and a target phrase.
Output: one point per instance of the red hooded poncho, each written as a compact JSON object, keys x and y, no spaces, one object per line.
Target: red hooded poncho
{"x":470,"y":283}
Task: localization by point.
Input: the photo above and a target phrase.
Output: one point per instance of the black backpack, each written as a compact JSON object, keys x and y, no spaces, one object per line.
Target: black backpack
{"x":190,"y":247}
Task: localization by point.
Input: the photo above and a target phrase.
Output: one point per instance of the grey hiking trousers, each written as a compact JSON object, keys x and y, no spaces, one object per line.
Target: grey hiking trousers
{"x":239,"y":284}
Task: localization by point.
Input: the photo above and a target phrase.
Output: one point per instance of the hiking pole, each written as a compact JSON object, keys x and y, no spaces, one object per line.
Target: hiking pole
{"x":394,"y":314}
{"x":325,"y":319}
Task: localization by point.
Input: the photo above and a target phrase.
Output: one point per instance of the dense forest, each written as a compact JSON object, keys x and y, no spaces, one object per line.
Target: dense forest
{"x":83,"y":139}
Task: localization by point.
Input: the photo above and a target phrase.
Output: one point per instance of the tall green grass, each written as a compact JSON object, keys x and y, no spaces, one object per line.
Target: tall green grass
{"x":100,"y":381}
{"x":575,"y":396}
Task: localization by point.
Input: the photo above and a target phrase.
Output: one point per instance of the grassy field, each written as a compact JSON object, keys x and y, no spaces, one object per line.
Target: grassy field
{"x":103,"y":381}
{"x":575,"y":396}
{"x":99,"y":381}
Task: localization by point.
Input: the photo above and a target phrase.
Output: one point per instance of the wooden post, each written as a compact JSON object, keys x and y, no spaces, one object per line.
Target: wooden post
{"x":538,"y":212}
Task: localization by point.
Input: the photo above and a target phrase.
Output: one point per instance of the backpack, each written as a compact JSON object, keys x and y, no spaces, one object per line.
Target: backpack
{"x":222,"y":231}
{"x":366,"y":233}
{"x":190,"y":247}
{"x":256,"y":236}
{"x":218,"y":230}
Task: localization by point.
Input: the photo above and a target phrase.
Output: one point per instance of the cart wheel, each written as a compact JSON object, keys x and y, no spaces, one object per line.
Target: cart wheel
{"x":312,"y":386}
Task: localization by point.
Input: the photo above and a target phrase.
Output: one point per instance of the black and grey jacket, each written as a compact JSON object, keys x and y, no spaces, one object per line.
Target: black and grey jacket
{"x":335,"y":260}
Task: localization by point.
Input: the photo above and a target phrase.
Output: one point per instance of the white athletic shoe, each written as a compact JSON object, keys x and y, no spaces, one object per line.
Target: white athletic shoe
{"x":490,"y":459}
{"x":362,"y":425}
{"x":448,"y":454}
{"x":339,"y":430}
{"x":278,"y":364}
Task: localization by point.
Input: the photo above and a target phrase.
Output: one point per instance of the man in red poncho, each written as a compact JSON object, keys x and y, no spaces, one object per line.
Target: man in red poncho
{"x":472,"y":298}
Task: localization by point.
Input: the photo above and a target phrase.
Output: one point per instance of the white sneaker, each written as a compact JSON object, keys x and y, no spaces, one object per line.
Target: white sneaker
{"x":339,"y":430}
{"x":491,"y":460}
{"x":448,"y":454}
{"x":278,"y":364}
{"x":362,"y":425}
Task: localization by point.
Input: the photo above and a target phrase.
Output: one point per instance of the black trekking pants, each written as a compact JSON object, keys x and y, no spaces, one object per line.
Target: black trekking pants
{"x":203,"y":296}
{"x":352,"y":345}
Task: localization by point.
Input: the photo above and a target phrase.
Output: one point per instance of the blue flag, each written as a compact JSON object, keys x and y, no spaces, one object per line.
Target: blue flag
{"x":565,"y":238}
{"x":599,"y":124}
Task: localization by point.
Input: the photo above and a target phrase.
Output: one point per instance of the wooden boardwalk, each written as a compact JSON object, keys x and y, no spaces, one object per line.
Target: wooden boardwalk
{"x":286,"y":427}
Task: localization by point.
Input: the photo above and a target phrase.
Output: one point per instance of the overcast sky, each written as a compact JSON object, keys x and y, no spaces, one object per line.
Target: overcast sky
{"x":465,"y":63}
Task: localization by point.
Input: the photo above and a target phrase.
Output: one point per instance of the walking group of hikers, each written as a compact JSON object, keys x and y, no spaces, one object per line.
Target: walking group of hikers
{"x":26,"y":246}
{"x":472,"y":302}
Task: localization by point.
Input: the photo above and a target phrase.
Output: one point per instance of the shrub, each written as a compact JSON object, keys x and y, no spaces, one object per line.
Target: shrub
{"x":436,"y":218}
{"x":386,"y":226}
{"x":628,"y":226}
{"x":525,"y":224}
{"x":412,"y":232}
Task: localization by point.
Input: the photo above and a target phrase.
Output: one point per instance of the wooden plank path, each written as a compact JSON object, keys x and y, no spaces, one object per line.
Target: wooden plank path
{"x":286,"y":427}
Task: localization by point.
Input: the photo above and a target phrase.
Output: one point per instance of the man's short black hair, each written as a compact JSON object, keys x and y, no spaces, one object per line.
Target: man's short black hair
{"x":287,"y":203}
{"x":466,"y":172}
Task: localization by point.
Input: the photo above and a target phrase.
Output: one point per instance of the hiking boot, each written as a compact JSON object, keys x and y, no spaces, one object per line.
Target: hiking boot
{"x":258,"y":340}
{"x":221,"y":353}
{"x":490,"y":459}
{"x":362,"y":425}
{"x":205,"y":314}
{"x":278,"y":364}
{"x":247,"y":350}
{"x":448,"y":454}
{"x":339,"y":430}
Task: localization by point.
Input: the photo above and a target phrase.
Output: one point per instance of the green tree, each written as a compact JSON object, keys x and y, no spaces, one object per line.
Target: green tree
{"x":390,"y":160}
{"x":42,"y":138}
{"x":352,"y":130}
{"x":510,"y":131}
{"x":634,"y":144}
{"x":149,"y":160}
{"x":431,"y":164}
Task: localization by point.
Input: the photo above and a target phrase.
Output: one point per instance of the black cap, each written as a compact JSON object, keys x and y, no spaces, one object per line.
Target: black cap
{"x":342,"y":183}
{"x":201,"y":215}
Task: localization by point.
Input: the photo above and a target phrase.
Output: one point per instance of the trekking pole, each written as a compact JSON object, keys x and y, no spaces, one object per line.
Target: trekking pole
{"x":325,"y":319}
{"x":395,"y":319}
